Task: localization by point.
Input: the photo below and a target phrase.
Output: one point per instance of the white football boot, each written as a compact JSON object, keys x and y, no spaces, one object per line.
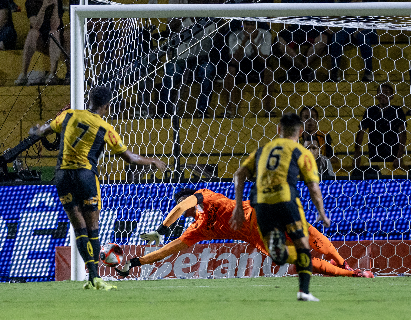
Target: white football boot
{"x":301,"y":296}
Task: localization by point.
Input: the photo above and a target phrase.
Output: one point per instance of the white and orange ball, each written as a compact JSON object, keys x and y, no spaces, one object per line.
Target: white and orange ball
{"x":111,"y":254}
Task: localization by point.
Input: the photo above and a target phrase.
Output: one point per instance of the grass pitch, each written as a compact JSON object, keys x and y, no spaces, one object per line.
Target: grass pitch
{"x":251,"y":298}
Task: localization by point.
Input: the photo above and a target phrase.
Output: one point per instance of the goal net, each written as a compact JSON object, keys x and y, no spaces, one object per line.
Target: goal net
{"x":202,"y":86}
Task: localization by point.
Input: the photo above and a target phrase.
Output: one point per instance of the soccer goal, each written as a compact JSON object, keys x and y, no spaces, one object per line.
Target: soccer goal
{"x":201,"y":86}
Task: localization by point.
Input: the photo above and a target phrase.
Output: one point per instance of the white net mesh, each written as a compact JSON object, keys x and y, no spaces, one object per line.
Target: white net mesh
{"x":202,"y":93}
{"x":183,"y":69}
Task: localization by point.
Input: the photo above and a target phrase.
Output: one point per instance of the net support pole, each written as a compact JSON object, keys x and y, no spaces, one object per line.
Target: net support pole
{"x":78,"y":271}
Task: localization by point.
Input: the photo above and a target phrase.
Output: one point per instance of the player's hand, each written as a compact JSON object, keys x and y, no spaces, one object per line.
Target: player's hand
{"x":34,"y":130}
{"x":160,"y":165}
{"x":125,"y":271}
{"x":152,"y":236}
{"x":325,"y":220}
{"x":237,"y":219}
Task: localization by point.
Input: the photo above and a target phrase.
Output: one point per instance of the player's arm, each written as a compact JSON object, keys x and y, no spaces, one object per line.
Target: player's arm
{"x":180,"y":208}
{"x":317,"y":198}
{"x":172,"y":217}
{"x":169,"y":249}
{"x":309,"y":172}
{"x":237,"y":219}
{"x":50,"y":127}
{"x":133,"y":158}
{"x":42,"y":131}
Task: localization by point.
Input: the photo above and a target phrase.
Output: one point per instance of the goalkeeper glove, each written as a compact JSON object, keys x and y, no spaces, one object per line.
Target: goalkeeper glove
{"x":152,"y":236}
{"x":125,"y":271}
{"x":156,"y":236}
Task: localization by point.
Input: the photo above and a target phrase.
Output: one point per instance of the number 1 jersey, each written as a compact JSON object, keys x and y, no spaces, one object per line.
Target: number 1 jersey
{"x":83,"y":136}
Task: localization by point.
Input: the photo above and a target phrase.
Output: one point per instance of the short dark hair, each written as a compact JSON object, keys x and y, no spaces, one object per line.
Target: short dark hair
{"x":386,"y":85}
{"x":312,"y":109}
{"x":311,"y":138}
{"x":183,"y":193}
{"x":290,"y":123}
{"x":99,"y":97}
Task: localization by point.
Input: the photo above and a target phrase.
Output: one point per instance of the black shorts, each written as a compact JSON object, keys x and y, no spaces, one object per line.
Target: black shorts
{"x":79,"y":187}
{"x":286,"y":216}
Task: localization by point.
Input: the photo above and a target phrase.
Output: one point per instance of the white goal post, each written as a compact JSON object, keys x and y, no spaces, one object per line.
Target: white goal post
{"x":79,"y":14}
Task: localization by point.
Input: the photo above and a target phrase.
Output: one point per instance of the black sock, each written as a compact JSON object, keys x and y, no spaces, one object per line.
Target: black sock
{"x":86,"y":251}
{"x":304,"y":268}
{"x":95,"y":243}
{"x":135,"y":262}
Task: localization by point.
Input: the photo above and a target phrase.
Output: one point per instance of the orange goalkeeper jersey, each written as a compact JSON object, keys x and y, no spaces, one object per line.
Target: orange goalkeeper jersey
{"x":212,"y":221}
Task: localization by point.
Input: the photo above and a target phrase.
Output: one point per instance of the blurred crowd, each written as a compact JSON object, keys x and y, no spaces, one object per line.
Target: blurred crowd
{"x":240,"y":52}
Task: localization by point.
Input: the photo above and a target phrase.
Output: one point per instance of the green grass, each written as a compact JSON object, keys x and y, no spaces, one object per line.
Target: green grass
{"x":255,"y":298}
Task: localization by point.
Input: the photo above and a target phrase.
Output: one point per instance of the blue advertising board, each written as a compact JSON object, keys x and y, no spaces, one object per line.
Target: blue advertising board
{"x":33,"y":222}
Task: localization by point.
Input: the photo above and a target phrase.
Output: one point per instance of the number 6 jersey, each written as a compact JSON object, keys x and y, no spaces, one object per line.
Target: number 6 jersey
{"x":83,"y":135}
{"x":277,"y":166}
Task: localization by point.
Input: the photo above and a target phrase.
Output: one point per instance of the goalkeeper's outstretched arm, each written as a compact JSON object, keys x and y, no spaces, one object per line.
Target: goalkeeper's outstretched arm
{"x":173,"y":247}
{"x":184,"y":206}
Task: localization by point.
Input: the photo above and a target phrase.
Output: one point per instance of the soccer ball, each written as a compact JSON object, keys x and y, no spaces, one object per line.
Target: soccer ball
{"x":111,"y":254}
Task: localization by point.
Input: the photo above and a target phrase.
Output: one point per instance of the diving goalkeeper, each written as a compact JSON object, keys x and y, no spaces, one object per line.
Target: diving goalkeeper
{"x":212,"y":212}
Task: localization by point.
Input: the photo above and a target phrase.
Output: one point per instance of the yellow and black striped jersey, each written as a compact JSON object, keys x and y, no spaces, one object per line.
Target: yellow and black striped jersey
{"x":277,"y":166}
{"x":83,"y":136}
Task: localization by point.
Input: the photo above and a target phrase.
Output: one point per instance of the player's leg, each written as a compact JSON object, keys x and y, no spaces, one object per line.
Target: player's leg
{"x":91,"y":218}
{"x":323,"y":245}
{"x":319,"y":266}
{"x":324,"y":267}
{"x":67,"y":185}
{"x":82,"y":241}
{"x":54,"y":50}
{"x":297,"y":229}
{"x":303,"y":264}
{"x":275,"y":243}
{"x":271,"y":233}
{"x":91,"y":206}
{"x":90,"y":199}
{"x":31,"y":44}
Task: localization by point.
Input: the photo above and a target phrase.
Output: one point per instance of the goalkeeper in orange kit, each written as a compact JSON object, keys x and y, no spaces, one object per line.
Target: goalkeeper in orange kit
{"x":212,"y":212}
